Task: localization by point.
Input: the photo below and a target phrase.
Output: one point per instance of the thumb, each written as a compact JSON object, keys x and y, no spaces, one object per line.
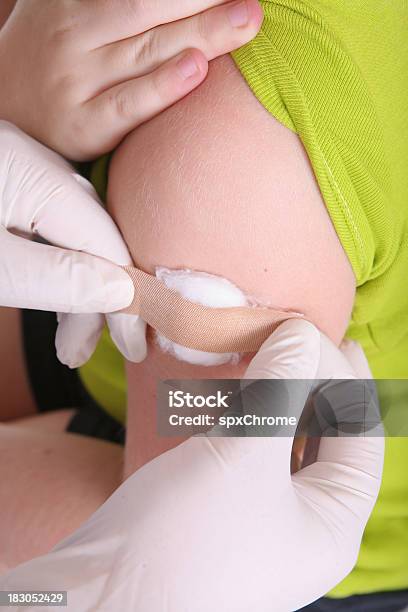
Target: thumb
{"x":43,"y":277}
{"x":291,"y":352}
{"x":277,"y":382}
{"x":279,"y":378}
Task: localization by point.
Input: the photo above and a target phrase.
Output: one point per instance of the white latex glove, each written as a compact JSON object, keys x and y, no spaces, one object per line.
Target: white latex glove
{"x":220,"y":523}
{"x":41,"y":195}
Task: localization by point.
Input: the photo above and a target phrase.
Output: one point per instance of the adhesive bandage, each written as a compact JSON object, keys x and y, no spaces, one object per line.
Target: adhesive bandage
{"x":168,"y":304}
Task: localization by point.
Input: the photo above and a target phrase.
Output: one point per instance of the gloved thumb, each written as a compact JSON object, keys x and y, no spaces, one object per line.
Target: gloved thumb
{"x":277,"y":383}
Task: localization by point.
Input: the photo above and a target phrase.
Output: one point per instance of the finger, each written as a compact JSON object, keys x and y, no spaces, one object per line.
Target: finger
{"x":128,"y":332}
{"x":346,"y":477}
{"x":341,"y":404}
{"x":277,"y":382}
{"x":73,"y":218}
{"x":346,"y":404}
{"x":136,"y":17}
{"x":58,"y":205}
{"x":126,"y":106}
{"x":291,"y":352}
{"x":333,"y":363}
{"x":282,"y":375}
{"x":77,"y":337}
{"x":356,"y":358}
{"x":344,"y":483}
{"x":214,"y":32}
{"x":96,"y":234}
{"x":44,"y":277}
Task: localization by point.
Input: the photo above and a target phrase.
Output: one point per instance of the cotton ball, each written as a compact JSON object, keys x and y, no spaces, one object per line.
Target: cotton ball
{"x":208,"y":290}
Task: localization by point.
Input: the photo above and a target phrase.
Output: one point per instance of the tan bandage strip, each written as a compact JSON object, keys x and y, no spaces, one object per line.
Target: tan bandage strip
{"x":213,"y":330}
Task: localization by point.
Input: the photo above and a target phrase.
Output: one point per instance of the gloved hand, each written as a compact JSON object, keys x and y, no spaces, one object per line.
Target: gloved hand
{"x":79,"y":76}
{"x":41,"y":195}
{"x":220,"y":523}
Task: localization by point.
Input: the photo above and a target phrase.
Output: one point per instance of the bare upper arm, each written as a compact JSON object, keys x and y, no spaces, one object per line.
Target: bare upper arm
{"x":217,"y":184}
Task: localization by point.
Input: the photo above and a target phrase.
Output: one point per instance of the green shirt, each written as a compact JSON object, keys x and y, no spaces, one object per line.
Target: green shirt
{"x":336,"y":73}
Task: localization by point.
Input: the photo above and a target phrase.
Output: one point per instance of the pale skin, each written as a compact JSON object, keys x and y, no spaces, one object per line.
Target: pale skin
{"x":214,"y":184}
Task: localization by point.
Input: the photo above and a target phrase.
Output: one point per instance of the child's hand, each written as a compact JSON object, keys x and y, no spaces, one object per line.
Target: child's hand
{"x":79,"y":75}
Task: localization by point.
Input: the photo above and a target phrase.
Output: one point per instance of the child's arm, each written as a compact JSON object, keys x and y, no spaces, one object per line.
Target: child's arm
{"x":78,"y":76}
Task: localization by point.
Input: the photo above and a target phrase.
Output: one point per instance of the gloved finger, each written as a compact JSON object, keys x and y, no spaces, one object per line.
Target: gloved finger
{"x":77,"y":337}
{"x":125,"y":106}
{"x":128,"y":332}
{"x":30,"y":192}
{"x":345,"y":480}
{"x":215,"y":32}
{"x":276,"y":383}
{"x":355,"y":407}
{"x":63,"y":208}
{"x":96,"y":233}
{"x":356,"y":358}
{"x":73,"y":218}
{"x":58,"y":205}
{"x":336,"y":405}
{"x":333,"y":363}
{"x":349,"y":394}
{"x":290,"y":355}
{"x":106,"y":26}
{"x":44,"y":277}
{"x":292,"y":352}
{"x":32,"y":176}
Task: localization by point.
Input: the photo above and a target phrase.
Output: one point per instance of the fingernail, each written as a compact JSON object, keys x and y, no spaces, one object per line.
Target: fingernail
{"x":239,"y":14}
{"x":188,"y":67}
